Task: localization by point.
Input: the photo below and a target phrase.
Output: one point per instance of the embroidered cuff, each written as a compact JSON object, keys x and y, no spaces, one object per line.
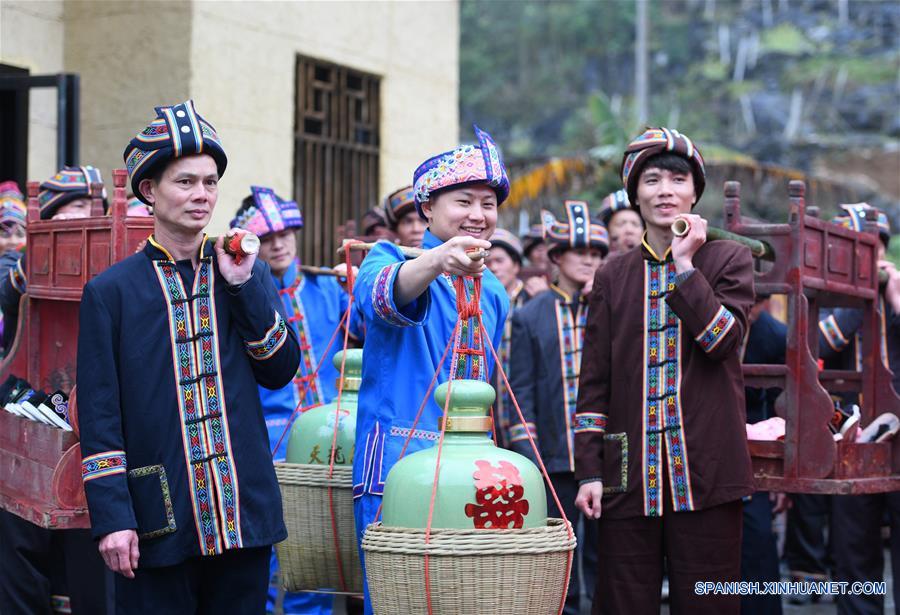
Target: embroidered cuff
{"x":684,"y":275}
{"x":716,"y":330}
{"x":590,"y":422}
{"x":102,"y":464}
{"x":383,"y":299}
{"x":520,"y":432}
{"x":18,"y":278}
{"x":833,"y":334}
{"x":271,"y":341}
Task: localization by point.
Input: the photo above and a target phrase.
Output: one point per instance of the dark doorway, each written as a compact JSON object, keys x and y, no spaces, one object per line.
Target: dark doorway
{"x":15,"y":85}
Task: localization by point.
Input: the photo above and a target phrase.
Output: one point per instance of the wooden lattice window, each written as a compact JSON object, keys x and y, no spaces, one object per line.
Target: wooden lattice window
{"x":336,"y":152}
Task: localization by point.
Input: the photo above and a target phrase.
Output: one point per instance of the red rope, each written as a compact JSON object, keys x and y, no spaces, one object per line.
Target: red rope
{"x":537,"y":456}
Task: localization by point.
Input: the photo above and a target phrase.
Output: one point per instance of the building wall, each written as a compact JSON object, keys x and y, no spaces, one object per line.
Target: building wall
{"x":237,"y":61}
{"x":32,"y":36}
{"x":243,"y":81}
{"x":131,"y":57}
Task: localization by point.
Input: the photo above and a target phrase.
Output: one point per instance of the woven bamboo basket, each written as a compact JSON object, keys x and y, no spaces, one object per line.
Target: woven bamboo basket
{"x":308,"y":557}
{"x":471,"y":572}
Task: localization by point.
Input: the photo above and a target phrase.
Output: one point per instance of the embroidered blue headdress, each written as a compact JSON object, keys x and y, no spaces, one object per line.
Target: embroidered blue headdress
{"x":268,"y":213}
{"x":464,"y":165}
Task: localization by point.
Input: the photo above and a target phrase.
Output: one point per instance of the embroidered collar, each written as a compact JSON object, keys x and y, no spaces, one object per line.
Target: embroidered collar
{"x":566,"y":298}
{"x":517,"y":290}
{"x":291,"y":278}
{"x":648,"y":252}
{"x":155,"y":251}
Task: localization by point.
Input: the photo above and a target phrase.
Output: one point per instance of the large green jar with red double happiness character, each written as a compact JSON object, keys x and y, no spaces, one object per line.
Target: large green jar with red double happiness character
{"x":313,"y":431}
{"x":480,"y":486}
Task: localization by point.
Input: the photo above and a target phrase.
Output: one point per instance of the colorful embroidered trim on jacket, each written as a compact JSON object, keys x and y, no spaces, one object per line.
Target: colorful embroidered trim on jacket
{"x":306,"y":370}
{"x":503,"y":409}
{"x":663,"y":424}
{"x":271,"y":342}
{"x":570,"y":332}
{"x":716,"y":329}
{"x":383,"y":297}
{"x":160,"y":471}
{"x":590,"y":421}
{"x":212,"y":477}
{"x":520,"y":432}
{"x":468,"y":357}
{"x":102,"y":464}
{"x":373,"y":455}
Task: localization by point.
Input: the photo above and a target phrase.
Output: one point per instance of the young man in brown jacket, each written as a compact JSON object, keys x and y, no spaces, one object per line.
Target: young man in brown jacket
{"x":660,"y":444}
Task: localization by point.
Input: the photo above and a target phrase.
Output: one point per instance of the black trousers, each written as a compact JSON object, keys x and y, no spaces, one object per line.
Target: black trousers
{"x":759,"y":555}
{"x":806,"y":536}
{"x":36,"y":563}
{"x":584,"y":564}
{"x":703,"y":545}
{"x":858,"y":550}
{"x":235,"y":582}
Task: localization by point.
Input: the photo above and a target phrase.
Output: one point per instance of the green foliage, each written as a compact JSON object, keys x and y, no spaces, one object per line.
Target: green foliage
{"x":785,"y":39}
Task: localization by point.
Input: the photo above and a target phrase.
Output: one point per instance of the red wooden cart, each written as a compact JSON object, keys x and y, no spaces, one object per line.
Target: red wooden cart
{"x":40,"y":466}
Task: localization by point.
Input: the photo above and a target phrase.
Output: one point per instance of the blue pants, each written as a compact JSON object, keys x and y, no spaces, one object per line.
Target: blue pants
{"x":296,"y":603}
{"x":365,"y":508}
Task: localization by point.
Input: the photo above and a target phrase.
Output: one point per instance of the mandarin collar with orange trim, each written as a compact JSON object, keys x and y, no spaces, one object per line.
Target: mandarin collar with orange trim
{"x":566,"y":298}
{"x":649,"y":254}
{"x":156,"y":252}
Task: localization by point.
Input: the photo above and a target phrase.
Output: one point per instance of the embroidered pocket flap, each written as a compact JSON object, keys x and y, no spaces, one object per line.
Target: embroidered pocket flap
{"x":151,"y":501}
{"x":615,"y":462}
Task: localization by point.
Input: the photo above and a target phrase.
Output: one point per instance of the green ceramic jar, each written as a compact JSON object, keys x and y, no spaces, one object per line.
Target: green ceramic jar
{"x":480,"y":485}
{"x":313,"y":431}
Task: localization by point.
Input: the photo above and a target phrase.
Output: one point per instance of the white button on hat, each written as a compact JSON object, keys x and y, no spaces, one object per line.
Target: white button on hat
{"x":185,"y":129}
{"x":180,"y":113}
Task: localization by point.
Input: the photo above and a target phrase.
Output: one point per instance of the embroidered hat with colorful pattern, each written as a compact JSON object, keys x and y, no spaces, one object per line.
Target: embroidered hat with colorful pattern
{"x":577,"y":232}
{"x":399,"y":203}
{"x":509,"y":243}
{"x":658,"y":141}
{"x":69,"y":184}
{"x":12,"y":204}
{"x":615,"y":201}
{"x":265,"y":212}
{"x":177,"y":131}
{"x":858,"y":214}
{"x":467,"y":164}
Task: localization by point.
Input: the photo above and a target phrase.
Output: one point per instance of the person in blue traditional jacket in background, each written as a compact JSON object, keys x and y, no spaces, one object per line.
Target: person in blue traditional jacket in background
{"x":410,"y":312}
{"x":173,"y":342}
{"x":314,"y":305}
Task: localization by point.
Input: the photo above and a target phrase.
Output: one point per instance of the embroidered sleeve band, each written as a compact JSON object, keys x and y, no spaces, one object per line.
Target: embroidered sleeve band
{"x":17,"y":277}
{"x":833,"y":334}
{"x":716,"y":330}
{"x":102,"y":464}
{"x":590,"y":421}
{"x":383,"y":297}
{"x":271,"y":341}
{"x":518,"y":433}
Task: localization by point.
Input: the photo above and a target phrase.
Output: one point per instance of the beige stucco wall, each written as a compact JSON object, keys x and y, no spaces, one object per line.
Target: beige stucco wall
{"x":31,"y":36}
{"x":131,"y":56}
{"x":237,"y":61}
{"x":243,"y":60}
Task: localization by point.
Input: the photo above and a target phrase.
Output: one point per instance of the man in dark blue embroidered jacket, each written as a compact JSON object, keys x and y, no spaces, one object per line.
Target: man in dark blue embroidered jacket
{"x":547,"y":342}
{"x":173,"y":342}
